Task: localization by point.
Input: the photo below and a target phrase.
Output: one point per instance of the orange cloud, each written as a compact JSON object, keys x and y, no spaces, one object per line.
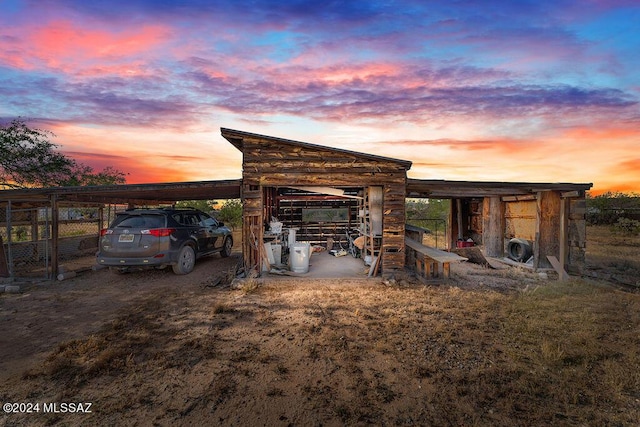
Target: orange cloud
{"x":138,"y":170}
{"x":632,"y":166}
{"x":602,"y":134}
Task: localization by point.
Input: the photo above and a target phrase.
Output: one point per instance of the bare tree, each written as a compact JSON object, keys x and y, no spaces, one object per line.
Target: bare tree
{"x":29,"y":159}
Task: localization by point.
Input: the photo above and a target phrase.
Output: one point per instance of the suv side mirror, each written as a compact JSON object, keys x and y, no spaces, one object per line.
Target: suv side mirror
{"x":220,"y":224}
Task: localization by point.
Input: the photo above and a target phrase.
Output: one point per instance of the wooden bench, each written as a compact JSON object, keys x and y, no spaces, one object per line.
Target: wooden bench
{"x":427,"y":260}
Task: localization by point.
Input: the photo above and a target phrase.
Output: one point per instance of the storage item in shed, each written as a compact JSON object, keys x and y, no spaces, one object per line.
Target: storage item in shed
{"x":277,"y":253}
{"x":275,"y":227}
{"x":299,"y":257}
{"x":291,"y":240}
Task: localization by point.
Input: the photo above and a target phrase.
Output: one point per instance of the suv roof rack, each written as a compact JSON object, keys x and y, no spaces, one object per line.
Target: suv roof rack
{"x":181,"y":208}
{"x":166,"y":208}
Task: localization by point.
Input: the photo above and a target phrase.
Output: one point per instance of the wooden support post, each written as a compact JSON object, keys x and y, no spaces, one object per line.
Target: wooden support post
{"x":563,"y":233}
{"x":547,"y":228}
{"x":446,"y":270}
{"x":55,"y":229}
{"x":493,"y":225}
{"x":459,"y":218}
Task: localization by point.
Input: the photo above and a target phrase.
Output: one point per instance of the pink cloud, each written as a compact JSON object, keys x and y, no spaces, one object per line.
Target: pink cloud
{"x":68,"y":47}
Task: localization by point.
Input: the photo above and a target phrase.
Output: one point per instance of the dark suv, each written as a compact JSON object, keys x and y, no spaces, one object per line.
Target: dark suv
{"x":161,"y":237}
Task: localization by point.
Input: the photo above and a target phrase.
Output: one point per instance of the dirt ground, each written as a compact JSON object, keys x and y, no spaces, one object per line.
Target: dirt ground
{"x":154,"y":348}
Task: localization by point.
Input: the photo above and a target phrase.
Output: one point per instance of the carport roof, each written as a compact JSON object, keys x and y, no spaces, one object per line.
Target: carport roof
{"x":443,"y":189}
{"x":128,"y":193}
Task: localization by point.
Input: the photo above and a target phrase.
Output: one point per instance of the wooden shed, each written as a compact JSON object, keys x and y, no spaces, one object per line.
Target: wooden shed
{"x":550,"y":217}
{"x":320,"y":192}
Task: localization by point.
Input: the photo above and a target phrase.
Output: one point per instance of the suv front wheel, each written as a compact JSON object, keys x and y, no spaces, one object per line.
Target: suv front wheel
{"x":186,"y":261}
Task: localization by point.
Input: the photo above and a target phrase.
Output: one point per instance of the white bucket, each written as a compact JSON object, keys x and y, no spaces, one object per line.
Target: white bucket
{"x":299,"y":257}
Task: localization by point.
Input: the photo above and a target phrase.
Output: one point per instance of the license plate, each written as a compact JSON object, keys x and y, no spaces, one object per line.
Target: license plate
{"x":125,"y":238}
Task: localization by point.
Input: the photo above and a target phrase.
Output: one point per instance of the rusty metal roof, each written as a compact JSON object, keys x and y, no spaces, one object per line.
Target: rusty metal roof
{"x":444,"y":189}
{"x":137,"y":194}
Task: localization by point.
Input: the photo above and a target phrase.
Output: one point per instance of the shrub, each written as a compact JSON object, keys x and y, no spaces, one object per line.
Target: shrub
{"x":627,"y":226}
{"x":231,"y":213}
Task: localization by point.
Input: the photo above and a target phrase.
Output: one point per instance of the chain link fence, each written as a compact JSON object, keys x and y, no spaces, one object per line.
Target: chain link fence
{"x":27,"y":237}
{"x":435,"y":231}
{"x":78,"y":232}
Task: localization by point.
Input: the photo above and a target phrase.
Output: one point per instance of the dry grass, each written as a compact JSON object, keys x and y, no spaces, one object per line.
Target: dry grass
{"x":495,"y":348}
{"x":559,"y":354}
{"x":614,"y":256}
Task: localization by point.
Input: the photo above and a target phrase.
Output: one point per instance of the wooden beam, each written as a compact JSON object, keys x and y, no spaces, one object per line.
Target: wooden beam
{"x":547,"y":228}
{"x":562,"y":274}
{"x":564,"y":248}
{"x":493,"y":224}
{"x":572,"y":194}
{"x":519,"y":198}
{"x":327,"y":190}
{"x":459,"y":218}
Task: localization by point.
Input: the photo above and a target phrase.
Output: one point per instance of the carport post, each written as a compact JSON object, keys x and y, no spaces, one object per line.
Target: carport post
{"x":9,"y":232}
{"x":54,"y":237}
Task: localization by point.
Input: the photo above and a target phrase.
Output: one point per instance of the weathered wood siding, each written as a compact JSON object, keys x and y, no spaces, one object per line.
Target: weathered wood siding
{"x":577,"y":235}
{"x":272,"y":163}
{"x":252,"y":230}
{"x":394,"y":218}
{"x":520,"y":220}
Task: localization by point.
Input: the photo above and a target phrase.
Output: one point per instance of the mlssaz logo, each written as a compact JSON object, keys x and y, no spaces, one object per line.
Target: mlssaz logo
{"x":68,"y":407}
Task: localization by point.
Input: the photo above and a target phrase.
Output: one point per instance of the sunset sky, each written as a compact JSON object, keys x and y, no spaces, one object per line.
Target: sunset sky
{"x":540,"y":90}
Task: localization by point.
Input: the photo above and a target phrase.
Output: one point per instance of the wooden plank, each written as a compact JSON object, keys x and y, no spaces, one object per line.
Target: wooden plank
{"x":374,"y":266}
{"x":562,"y":274}
{"x":518,"y":198}
{"x":571,"y":194}
{"x":433,"y":253}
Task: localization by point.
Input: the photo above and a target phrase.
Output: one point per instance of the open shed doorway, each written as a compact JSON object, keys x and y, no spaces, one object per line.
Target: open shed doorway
{"x":342,"y":227}
{"x":430,"y":219}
